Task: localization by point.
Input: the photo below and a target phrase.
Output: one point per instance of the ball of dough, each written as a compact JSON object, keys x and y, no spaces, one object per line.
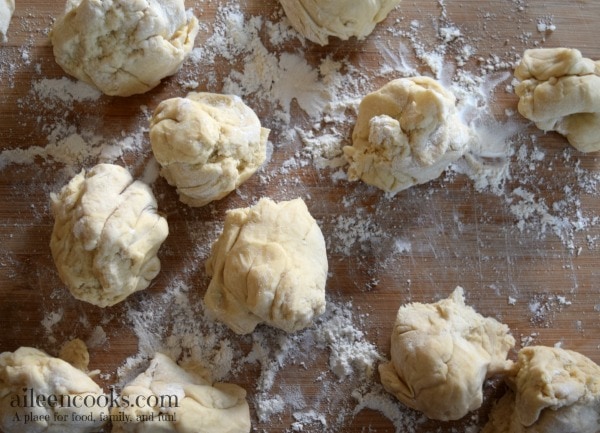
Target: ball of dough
{"x":269,"y":265}
{"x":106,"y":235}
{"x":207,"y":144}
{"x":407,"y":133}
{"x":553,"y":391}
{"x":27,"y":371}
{"x":316,"y":20}
{"x":560,"y":91}
{"x":441,"y":355}
{"x":186,"y":403}
{"x":123,"y":47}
{"x":7,"y":7}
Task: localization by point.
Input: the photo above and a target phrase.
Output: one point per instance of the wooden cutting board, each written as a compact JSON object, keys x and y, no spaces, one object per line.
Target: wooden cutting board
{"x":539,"y":276}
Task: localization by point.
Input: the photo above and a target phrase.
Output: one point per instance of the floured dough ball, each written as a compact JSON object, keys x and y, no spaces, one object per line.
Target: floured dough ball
{"x":407,"y":133}
{"x":560,"y":91}
{"x":79,"y":400}
{"x":207,"y":144}
{"x":123,"y":47}
{"x":7,"y":7}
{"x":106,"y":235}
{"x":441,"y":355}
{"x":553,"y":391}
{"x":180,"y":401}
{"x":269,"y":265}
{"x":316,"y":20}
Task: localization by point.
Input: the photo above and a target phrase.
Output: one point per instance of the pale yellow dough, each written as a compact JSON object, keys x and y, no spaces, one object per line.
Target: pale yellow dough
{"x":106,"y":235}
{"x":207,"y":145}
{"x":317,"y":20}
{"x":553,"y":390}
{"x":407,"y":133}
{"x":31,"y":369}
{"x":268,"y":266}
{"x":123,"y":47}
{"x":7,"y":7}
{"x":560,"y":91}
{"x":441,"y":355}
{"x":188,"y":403}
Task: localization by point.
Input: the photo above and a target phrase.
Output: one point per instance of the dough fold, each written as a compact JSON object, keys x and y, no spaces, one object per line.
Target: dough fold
{"x":123,"y":47}
{"x":207,"y":145}
{"x":560,"y":91}
{"x":106,"y":235}
{"x":29,"y":370}
{"x":268,"y":266}
{"x":317,"y":20}
{"x":552,"y":390}
{"x":407,"y":133}
{"x":7,"y":7}
{"x":441,"y":354}
{"x":180,"y":401}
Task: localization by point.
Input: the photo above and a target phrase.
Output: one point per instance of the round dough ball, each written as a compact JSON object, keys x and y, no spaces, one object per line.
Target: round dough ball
{"x":560,"y":91}
{"x":407,"y":133}
{"x":441,"y":355}
{"x":269,"y":265}
{"x":187,"y":403}
{"x":7,"y":7}
{"x":123,"y":47}
{"x":316,"y":20}
{"x":28,"y":370}
{"x":106,"y":235}
{"x":553,"y":391}
{"x":207,"y":145}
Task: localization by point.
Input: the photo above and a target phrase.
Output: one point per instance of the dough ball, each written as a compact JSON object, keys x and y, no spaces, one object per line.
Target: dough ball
{"x":207,"y":144}
{"x":560,"y":91}
{"x":123,"y":47}
{"x":28,"y":370}
{"x":316,"y":20}
{"x":407,"y":133}
{"x":553,"y":391}
{"x":106,"y":235}
{"x":441,"y":355}
{"x":7,"y":7}
{"x":180,"y":401}
{"x":75,"y":352}
{"x":269,"y":265}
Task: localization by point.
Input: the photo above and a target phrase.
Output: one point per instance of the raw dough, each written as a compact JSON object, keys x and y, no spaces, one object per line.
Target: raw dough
{"x":123,"y":47}
{"x":316,"y":20}
{"x":31,"y":369}
{"x":106,"y":235}
{"x":207,"y":144}
{"x":407,"y":133}
{"x":441,"y":355}
{"x":269,"y":265}
{"x":560,"y":91}
{"x":554,"y":391}
{"x":190,"y":404}
{"x":7,"y":7}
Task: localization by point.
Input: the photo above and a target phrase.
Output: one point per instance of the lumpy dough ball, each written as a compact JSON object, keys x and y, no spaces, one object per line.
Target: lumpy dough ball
{"x":269,"y":265}
{"x":185,"y":403}
{"x":560,"y":91}
{"x":106,"y":235}
{"x":407,"y":133}
{"x":31,"y":369}
{"x":441,"y":355}
{"x":7,"y":7}
{"x":123,"y":47}
{"x":552,"y":390}
{"x":316,"y":20}
{"x":207,"y":145}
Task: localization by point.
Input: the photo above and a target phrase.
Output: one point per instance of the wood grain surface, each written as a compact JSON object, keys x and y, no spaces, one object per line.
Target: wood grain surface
{"x":543,"y":285}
